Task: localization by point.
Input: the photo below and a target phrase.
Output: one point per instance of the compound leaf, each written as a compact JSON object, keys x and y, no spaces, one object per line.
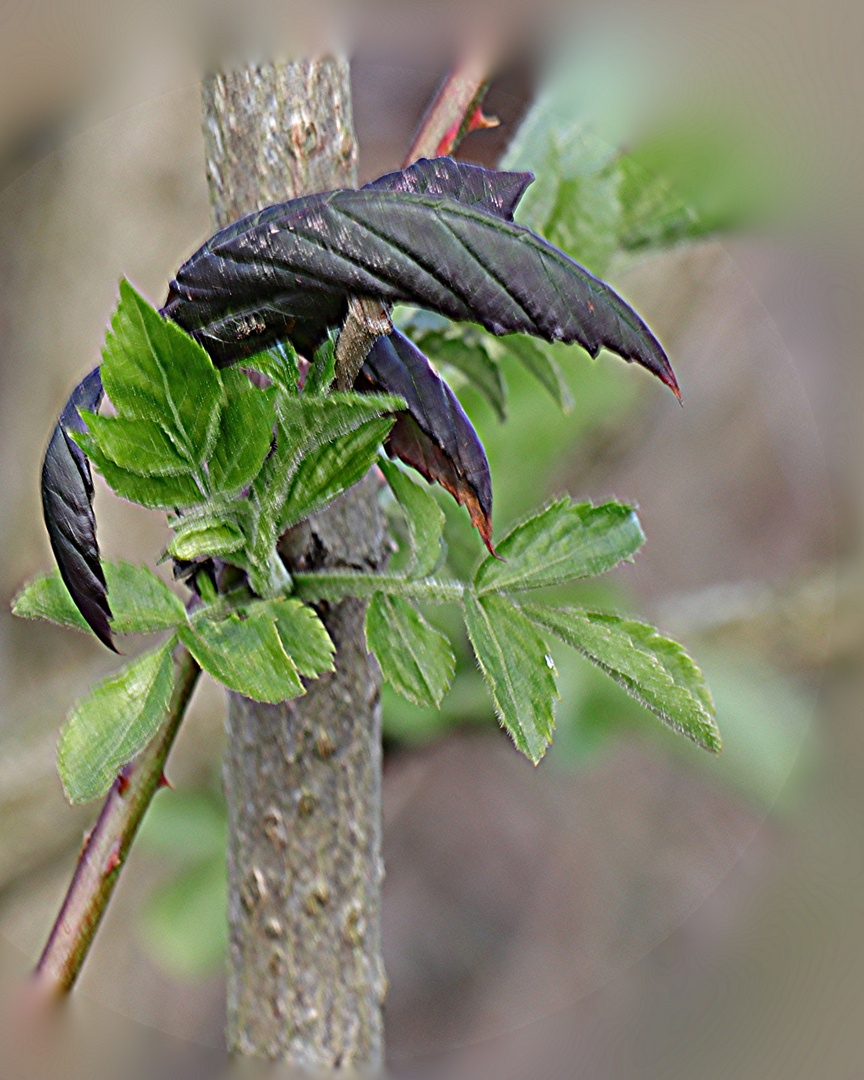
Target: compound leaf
{"x":286,"y":271}
{"x":137,"y":445}
{"x":245,"y":433}
{"x":67,"y":507}
{"x":468,"y":353}
{"x":156,"y":492}
{"x":244,"y":653}
{"x":304,"y":637}
{"x":536,"y":359}
{"x":327,"y":471}
{"x":434,"y":434}
{"x":205,"y":537}
{"x":424,"y":516}
{"x":152,"y":370}
{"x":142,"y":603}
{"x":322,"y":370}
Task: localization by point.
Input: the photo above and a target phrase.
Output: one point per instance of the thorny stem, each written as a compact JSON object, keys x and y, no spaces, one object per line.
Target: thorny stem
{"x":105,"y":848}
{"x":454,"y":112}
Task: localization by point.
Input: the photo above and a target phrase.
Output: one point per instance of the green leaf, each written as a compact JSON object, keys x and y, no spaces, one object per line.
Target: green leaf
{"x":310,"y":421}
{"x":246,"y":655}
{"x":156,"y":492}
{"x":184,"y":923}
{"x":652,"y":214}
{"x":564,"y":542}
{"x":139,"y":446}
{"x":116,"y":720}
{"x":279,"y":364}
{"x":46,"y":597}
{"x":469,"y":353}
{"x":518,"y":669}
{"x":424,"y":516}
{"x":304,"y":637}
{"x":322,"y":370}
{"x":415,"y":658}
{"x":586,"y":216}
{"x":205,"y":537}
{"x":537,"y":360}
{"x":324,"y":585}
{"x":141,"y":602}
{"x":304,"y":424}
{"x":327,"y":471}
{"x":245,"y":433}
{"x":153,"y":370}
{"x":653,"y":669}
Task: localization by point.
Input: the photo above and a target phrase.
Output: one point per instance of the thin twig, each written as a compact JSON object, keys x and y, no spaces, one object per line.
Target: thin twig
{"x":105,"y":849}
{"x":455,"y":111}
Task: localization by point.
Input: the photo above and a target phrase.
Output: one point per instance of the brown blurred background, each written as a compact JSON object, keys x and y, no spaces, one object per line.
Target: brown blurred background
{"x":631,"y":911}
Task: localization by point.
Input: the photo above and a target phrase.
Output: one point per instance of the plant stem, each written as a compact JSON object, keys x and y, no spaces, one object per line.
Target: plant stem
{"x":454,"y":111}
{"x":329,"y":586}
{"x":303,"y":778}
{"x":105,"y":849}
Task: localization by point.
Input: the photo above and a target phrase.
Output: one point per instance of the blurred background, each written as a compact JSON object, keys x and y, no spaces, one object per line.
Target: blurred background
{"x":632,"y":907}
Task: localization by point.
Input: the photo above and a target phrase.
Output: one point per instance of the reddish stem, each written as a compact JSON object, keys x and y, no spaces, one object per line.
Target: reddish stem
{"x":455,"y":111}
{"x":107,"y":845}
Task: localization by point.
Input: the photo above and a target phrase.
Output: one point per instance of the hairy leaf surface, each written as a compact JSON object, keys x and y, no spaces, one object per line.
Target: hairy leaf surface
{"x":424,"y":516}
{"x":116,"y":720}
{"x":564,"y":542}
{"x":304,"y":637}
{"x":143,"y":604}
{"x":246,"y":655}
{"x":518,"y":669}
{"x":415,"y":658}
{"x":650,"y":667}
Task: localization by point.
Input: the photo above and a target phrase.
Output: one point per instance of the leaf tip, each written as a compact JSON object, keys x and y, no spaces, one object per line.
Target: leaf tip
{"x":668,"y":378}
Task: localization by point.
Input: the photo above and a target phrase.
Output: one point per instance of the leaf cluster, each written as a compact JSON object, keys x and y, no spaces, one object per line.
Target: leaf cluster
{"x":235,"y":462}
{"x":238,"y":455}
{"x":509,"y":633}
{"x":260,"y":648}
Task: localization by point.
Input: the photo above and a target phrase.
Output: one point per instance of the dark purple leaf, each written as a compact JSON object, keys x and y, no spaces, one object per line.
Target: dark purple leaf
{"x":67,"y":504}
{"x":495,"y":192}
{"x":286,"y":271}
{"x":434,"y":435}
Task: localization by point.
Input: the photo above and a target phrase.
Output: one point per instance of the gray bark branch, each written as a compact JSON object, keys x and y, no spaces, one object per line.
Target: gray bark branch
{"x":303,"y":779}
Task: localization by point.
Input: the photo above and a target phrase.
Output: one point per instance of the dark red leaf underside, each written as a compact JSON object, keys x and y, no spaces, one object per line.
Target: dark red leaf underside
{"x":434,"y":435}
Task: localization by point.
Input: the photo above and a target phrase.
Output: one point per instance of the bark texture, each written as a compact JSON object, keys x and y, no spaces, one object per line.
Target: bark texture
{"x":303,"y":779}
